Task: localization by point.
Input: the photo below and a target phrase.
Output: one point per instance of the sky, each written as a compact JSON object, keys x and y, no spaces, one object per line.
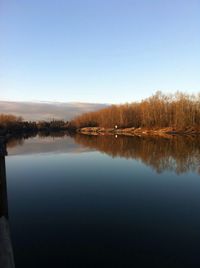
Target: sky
{"x":99,"y":51}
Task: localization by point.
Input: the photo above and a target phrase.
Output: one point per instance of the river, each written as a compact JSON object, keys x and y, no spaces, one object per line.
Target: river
{"x":104,"y":201}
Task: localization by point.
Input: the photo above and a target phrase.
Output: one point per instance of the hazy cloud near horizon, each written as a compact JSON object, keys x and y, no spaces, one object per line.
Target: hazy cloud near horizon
{"x":47,"y":110}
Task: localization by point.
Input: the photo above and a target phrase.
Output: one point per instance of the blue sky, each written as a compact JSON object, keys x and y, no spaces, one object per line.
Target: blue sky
{"x":105,"y":51}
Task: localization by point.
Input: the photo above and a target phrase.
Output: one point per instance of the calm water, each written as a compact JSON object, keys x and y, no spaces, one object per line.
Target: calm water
{"x":89,"y":201}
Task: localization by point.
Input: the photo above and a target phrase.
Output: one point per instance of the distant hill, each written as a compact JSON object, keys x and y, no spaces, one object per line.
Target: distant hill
{"x":47,"y":110}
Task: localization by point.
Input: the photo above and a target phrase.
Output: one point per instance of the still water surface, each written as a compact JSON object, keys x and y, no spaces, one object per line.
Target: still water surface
{"x":89,"y":201}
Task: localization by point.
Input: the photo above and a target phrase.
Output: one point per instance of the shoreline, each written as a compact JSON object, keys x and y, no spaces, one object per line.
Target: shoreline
{"x":139,"y":131}
{"x":101,"y":131}
{"x":34,"y":132}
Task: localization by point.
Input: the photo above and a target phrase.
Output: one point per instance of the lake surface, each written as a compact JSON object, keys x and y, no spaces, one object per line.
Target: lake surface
{"x":104,"y":201}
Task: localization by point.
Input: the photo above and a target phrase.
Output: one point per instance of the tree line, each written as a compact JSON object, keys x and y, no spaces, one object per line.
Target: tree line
{"x":177,"y":110}
{"x":14,"y":124}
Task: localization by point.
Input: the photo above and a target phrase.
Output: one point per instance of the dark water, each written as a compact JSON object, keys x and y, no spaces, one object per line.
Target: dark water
{"x":110,"y":201}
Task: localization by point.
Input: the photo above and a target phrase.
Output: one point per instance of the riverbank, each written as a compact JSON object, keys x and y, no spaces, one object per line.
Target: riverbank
{"x":139,"y":131}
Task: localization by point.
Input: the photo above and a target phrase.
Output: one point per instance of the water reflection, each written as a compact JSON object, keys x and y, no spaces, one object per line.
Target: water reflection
{"x":44,"y":143}
{"x":89,"y":210}
{"x":173,"y":153}
{"x":179,"y":154}
{"x":19,"y":139}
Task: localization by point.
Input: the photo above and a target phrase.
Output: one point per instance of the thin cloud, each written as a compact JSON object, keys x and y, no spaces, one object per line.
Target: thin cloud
{"x":47,"y":110}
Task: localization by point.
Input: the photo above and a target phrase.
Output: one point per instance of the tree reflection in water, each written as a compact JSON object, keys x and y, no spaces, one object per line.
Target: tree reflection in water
{"x":179,"y":154}
{"x":171,"y":153}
